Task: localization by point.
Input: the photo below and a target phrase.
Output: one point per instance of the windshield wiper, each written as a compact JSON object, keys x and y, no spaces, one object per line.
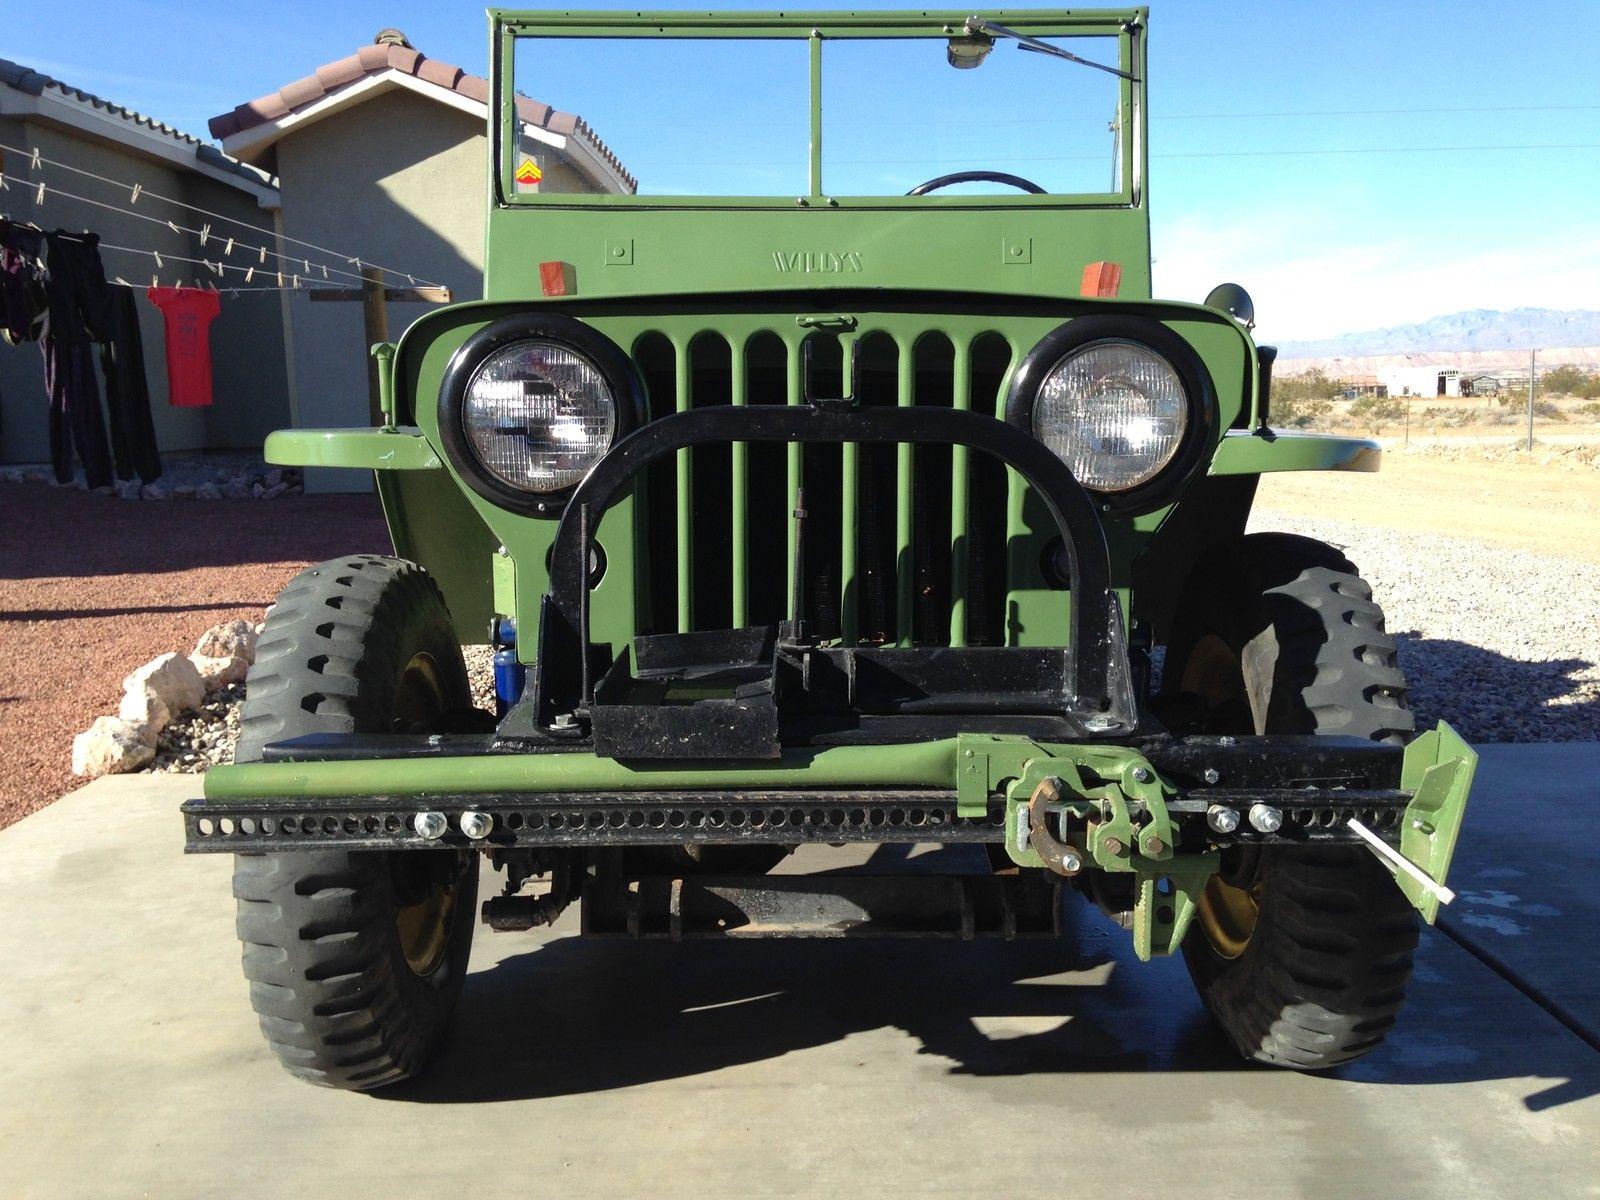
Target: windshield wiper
{"x":980,"y":27}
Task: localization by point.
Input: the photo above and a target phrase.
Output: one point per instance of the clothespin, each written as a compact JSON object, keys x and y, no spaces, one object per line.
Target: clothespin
{"x":39,"y":196}
{"x":205,"y":232}
{"x":217,"y":267}
{"x":159,"y":263}
{"x":33,"y":161}
{"x":234,"y":292}
{"x":155,"y":282}
{"x":5,"y":184}
{"x":308,"y":266}
{"x":324,"y":272}
{"x":411,"y":279}
{"x":249,"y":274}
{"x":228,"y":249}
{"x":280,"y":278}
{"x":263,"y":257}
{"x":296,"y":279}
{"x":133,"y":197}
{"x":121,"y":282}
{"x":173,"y":225}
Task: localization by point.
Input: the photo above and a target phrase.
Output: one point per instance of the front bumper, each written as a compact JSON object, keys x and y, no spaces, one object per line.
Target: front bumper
{"x":1141,"y":808}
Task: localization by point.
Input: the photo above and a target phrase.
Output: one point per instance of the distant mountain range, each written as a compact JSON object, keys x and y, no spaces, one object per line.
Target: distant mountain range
{"x":1476,"y":329}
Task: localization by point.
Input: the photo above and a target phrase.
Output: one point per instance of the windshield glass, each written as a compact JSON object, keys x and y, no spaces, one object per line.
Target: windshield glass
{"x":732,"y":117}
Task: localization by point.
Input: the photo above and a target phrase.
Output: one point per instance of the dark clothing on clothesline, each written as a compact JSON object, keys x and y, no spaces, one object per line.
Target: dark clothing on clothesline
{"x":75,"y":304}
{"x":74,"y":410}
{"x":53,"y":289}
{"x":133,"y":434}
{"x":22,"y":274}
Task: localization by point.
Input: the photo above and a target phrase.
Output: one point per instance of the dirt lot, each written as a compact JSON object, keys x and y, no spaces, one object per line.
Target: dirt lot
{"x":90,"y":587}
{"x":1547,"y":511}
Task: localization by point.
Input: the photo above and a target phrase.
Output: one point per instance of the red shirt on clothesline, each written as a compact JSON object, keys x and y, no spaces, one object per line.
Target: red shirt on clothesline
{"x":189,"y":313}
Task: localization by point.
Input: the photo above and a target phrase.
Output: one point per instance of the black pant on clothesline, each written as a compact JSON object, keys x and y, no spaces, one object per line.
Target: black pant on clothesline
{"x":133,"y":434}
{"x":74,"y":410}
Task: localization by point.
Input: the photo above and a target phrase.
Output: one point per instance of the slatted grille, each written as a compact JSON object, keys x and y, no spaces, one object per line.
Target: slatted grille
{"x":905,"y":545}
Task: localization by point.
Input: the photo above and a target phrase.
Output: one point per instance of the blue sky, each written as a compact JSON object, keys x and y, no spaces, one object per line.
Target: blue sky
{"x":1327,"y":242}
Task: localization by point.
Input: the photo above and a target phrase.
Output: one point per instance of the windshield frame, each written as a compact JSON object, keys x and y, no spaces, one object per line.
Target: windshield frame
{"x":508,"y":26}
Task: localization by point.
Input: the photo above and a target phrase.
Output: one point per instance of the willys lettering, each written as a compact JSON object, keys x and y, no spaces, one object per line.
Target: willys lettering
{"x":824,"y":262}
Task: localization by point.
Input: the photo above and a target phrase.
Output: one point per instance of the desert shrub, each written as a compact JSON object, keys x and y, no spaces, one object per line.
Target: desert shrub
{"x":1378,"y":411}
{"x":1298,"y":400}
{"x":1571,"y":381}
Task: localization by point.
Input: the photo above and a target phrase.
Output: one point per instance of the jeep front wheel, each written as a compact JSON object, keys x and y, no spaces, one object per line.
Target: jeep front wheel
{"x":1301,"y":954}
{"x":354,"y":958}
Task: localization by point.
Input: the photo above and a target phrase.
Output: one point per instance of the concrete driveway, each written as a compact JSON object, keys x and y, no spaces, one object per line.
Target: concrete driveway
{"x":130,"y":1064}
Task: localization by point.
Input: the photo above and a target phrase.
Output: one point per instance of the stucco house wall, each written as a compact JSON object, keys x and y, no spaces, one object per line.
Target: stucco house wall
{"x":402,"y":180}
{"x":249,"y":386}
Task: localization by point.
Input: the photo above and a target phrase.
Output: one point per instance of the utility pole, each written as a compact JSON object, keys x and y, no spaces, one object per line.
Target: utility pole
{"x":1533,"y":361}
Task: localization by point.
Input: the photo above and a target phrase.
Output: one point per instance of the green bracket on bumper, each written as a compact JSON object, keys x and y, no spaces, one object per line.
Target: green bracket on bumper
{"x":1437,"y":770}
{"x":1104,"y":788}
{"x":400,"y":449}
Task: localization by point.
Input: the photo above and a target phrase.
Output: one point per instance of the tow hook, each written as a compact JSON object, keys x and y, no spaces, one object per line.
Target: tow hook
{"x":1033,"y":821}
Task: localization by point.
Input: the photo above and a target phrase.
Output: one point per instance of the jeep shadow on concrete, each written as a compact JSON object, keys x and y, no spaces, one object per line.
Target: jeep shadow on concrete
{"x":830,"y":518}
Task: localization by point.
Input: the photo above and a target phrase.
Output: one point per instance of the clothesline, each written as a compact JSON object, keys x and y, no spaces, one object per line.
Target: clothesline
{"x":41,"y":189}
{"x":136,"y":191}
{"x":294,"y":286}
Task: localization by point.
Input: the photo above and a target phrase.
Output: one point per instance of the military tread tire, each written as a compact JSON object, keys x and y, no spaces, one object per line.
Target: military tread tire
{"x":1323,"y":974}
{"x":339,"y":1001}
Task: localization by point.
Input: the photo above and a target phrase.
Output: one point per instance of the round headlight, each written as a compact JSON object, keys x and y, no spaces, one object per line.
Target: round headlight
{"x":537,"y":415}
{"x":1114,"y":411}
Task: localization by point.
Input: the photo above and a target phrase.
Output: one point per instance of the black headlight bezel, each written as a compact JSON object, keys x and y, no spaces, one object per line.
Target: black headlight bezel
{"x":1163,"y":487}
{"x":615,"y":367}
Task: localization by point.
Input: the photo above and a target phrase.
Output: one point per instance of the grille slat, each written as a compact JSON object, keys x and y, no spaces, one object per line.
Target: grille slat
{"x":684,"y":466}
{"x":925,"y":571}
{"x":960,"y":398}
{"x":849,"y":509}
{"x":739,"y":519}
{"x":905,"y":478}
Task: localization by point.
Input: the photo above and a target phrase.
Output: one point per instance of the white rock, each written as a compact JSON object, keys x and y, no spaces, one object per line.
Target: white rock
{"x":208,"y":491}
{"x":218,"y":671}
{"x":237,"y":636}
{"x":274,"y":491}
{"x":109,"y":747}
{"x":153,"y":491}
{"x":141,"y":707}
{"x":272,"y":478}
{"x":128,"y":489}
{"x":173,"y":678}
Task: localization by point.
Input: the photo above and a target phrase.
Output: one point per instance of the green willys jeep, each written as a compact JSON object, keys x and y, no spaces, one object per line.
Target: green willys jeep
{"x":830,"y":518}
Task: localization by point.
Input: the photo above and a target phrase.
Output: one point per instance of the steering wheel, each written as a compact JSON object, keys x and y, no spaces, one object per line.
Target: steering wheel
{"x":944,"y":181}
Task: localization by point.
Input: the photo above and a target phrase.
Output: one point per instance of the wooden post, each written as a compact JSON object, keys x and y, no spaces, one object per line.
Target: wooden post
{"x":374,"y":297}
{"x":375,"y":325}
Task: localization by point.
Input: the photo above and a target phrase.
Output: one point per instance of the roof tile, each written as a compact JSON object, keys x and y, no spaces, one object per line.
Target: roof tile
{"x":377,"y":57}
{"x":34,"y":83}
{"x":337,"y":74}
{"x":302,"y":91}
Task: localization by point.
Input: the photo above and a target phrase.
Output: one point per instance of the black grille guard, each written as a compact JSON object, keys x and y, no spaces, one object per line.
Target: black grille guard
{"x":1093,"y":681}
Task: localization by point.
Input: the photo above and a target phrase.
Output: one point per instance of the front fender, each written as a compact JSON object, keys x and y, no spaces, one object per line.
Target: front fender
{"x":1261,"y":451}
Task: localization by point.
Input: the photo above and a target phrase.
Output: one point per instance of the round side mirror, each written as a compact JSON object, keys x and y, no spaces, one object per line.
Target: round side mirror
{"x":1235,"y":301}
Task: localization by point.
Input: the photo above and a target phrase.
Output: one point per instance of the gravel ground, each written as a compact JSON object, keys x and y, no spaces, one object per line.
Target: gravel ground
{"x":1503,"y":644}
{"x":91,"y":587}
